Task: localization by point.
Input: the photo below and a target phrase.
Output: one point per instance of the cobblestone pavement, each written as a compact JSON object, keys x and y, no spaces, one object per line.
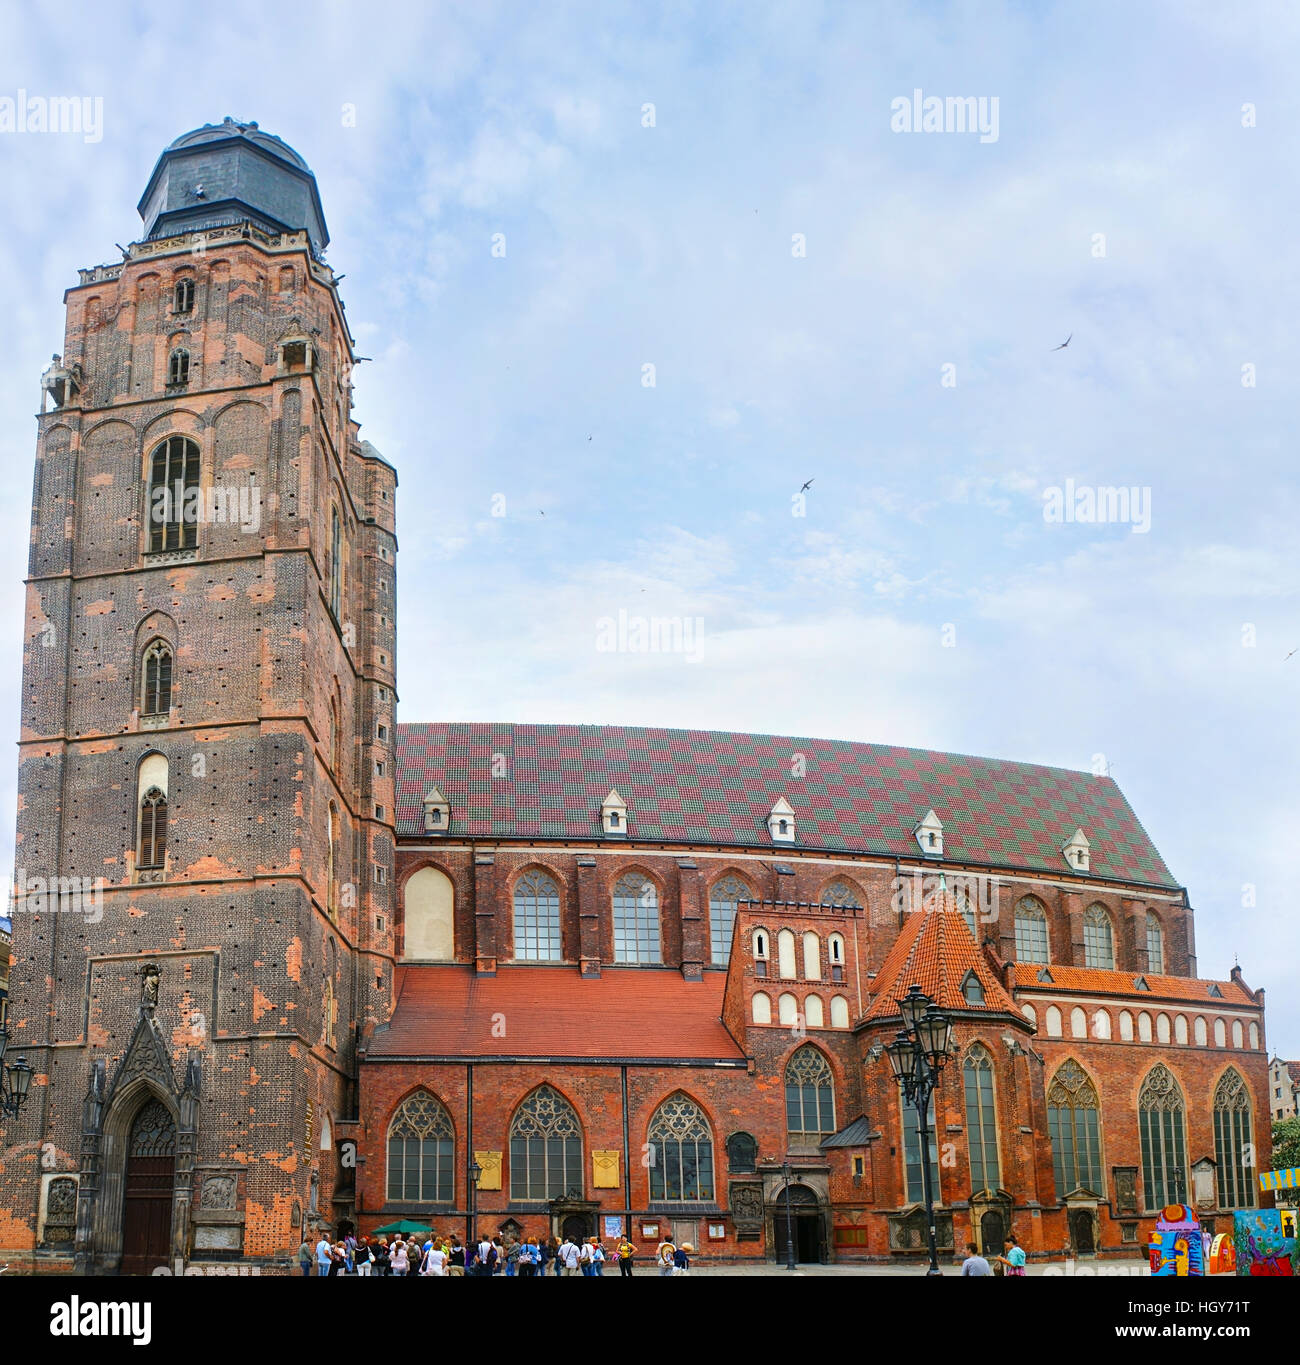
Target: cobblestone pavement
{"x":1085,"y":1269}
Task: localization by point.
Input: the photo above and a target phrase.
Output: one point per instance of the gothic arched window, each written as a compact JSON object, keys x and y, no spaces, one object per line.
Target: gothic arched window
{"x":1155,"y":945}
{"x":1098,"y":938}
{"x":681,"y":1152}
{"x":153,"y":829}
{"x":1232,"y":1141}
{"x":537,"y":918}
{"x":183,"y":296}
{"x":841,"y":893}
{"x":156,"y":690}
{"x":545,"y":1148}
{"x":173,"y":495}
{"x":636,"y":920}
{"x":809,"y":1096}
{"x":178,"y":368}
{"x":421,"y":1152}
{"x":1031,"y":932}
{"x":981,"y":1120}
{"x":336,"y":563}
{"x":1161,"y":1127}
{"x":722,"y":915}
{"x":1073,"y":1125}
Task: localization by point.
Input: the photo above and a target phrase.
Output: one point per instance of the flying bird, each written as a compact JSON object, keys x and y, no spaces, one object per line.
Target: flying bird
{"x":1285,"y":657}
{"x":807,"y":486}
{"x":1063,"y":344}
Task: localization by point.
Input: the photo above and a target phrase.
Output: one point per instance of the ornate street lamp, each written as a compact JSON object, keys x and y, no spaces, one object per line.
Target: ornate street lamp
{"x":917,"y":1055}
{"x":789,"y":1222}
{"x":15,"y":1080}
{"x":474,"y":1172}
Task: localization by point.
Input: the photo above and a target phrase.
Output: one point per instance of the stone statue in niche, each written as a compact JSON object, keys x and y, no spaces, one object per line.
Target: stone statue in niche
{"x":150,"y":975}
{"x":313,"y":1194}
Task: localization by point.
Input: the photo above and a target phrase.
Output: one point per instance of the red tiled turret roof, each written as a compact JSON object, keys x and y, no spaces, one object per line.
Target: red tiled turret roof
{"x":713,"y":787}
{"x":936,"y":951}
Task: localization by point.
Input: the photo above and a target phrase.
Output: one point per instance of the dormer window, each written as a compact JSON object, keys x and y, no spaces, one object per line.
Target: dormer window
{"x":1045,"y":976}
{"x":1140,"y":983}
{"x":780,"y":823}
{"x":613,"y":816}
{"x":178,"y":368}
{"x":1078,"y":852}
{"x":183,"y":298}
{"x":437,"y":812}
{"x":1215,"y":991}
{"x":971,"y":989}
{"x":929,"y":835}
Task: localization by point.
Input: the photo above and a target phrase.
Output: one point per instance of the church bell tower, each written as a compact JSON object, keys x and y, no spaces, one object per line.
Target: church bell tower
{"x":205,"y":832}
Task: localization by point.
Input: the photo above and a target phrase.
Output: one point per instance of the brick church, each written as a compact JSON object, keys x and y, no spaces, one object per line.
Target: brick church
{"x":281,"y":964}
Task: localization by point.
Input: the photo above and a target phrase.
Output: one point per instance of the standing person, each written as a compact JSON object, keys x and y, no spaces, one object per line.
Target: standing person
{"x":362,"y":1256}
{"x":512,"y":1256}
{"x":324,"y":1255}
{"x":414,"y":1256}
{"x":528,"y":1258}
{"x":381,"y":1257}
{"x":557,"y":1261}
{"x":569,"y":1255}
{"x":665,"y":1255}
{"x":456,"y":1262}
{"x":304,"y":1255}
{"x":398,"y":1260}
{"x":626,"y":1255}
{"x":436,"y":1260}
{"x":597,"y":1258}
{"x":975,"y":1264}
{"x":1014,"y":1260}
{"x":681,"y":1261}
{"x":584,"y":1257}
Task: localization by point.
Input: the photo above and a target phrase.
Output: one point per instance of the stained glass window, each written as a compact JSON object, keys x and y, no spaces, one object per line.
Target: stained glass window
{"x":809,"y":1096}
{"x":545,"y":1148}
{"x":681,"y":1152}
{"x":1074,"y":1128}
{"x":981,"y":1120}
{"x":421,"y":1152}
{"x":1232,"y":1146}
{"x":1161,"y":1127}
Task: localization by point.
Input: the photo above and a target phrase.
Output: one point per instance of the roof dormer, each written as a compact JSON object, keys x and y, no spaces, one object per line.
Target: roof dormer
{"x":929,"y":835}
{"x":437,"y":812}
{"x":613,"y":816}
{"x":1078,"y":852}
{"x":780,"y":823}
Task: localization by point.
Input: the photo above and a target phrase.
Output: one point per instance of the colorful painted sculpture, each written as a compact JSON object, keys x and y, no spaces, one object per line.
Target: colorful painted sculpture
{"x":1177,"y":1246}
{"x":1223,"y":1260}
{"x":1263,"y":1246}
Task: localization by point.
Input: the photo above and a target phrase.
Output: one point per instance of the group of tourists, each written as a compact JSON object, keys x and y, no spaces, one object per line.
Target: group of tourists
{"x":524,"y":1256}
{"x":1013,"y":1263}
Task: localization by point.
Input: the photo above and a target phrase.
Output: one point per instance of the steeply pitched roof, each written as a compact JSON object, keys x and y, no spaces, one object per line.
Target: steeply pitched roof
{"x":855,"y":1134}
{"x":936,"y":951}
{"x":553,"y":1012}
{"x":714,"y":787}
{"x":1097,"y":981}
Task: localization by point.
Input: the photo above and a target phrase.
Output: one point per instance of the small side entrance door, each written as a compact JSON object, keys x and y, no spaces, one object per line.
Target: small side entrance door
{"x":150,"y":1172}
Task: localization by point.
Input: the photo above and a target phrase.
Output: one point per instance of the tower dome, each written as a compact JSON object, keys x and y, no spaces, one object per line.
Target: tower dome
{"x":231,"y":172}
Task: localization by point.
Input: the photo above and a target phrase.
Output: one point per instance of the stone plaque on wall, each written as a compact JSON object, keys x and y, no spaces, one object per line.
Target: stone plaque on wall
{"x":490,"y":1164}
{"x":1126,"y":1197}
{"x":218,"y":1238}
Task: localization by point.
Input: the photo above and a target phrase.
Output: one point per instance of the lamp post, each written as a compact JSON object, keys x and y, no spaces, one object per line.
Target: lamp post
{"x":475,"y":1170}
{"x":789,"y":1222}
{"x":917,"y":1056}
{"x":15,"y":1080}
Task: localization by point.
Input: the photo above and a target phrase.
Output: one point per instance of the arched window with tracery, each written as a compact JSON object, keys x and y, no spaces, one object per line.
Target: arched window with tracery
{"x":722,"y":915}
{"x":681,"y":1152}
{"x":1074,"y":1127}
{"x":421,"y":1152}
{"x":1155,"y":945}
{"x":1098,"y":938}
{"x":537,"y":918}
{"x":1163,"y":1134}
{"x":636,"y":920}
{"x":173,"y":495}
{"x":841,"y":893}
{"x":156,"y":680}
{"x":981,"y":1120}
{"x":545,"y":1148}
{"x":1031,"y":932}
{"x":1232,"y":1146}
{"x":809,"y":1096}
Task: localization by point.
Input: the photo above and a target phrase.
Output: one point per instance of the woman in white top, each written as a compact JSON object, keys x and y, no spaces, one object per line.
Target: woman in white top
{"x":435,"y":1260}
{"x":399,"y":1264}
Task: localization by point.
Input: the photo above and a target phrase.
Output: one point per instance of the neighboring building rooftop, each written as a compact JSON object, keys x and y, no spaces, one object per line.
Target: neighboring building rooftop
{"x":555,"y":1013}
{"x":716,"y":787}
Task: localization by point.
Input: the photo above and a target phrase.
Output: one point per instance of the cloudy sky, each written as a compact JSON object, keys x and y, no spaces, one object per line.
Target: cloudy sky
{"x":716,"y":191}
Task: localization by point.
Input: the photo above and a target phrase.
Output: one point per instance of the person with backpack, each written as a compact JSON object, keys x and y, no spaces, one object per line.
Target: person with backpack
{"x":381,"y":1258}
{"x":681,"y":1262}
{"x":597,"y":1258}
{"x":584,"y":1258}
{"x":626,"y":1254}
{"x":557,"y":1261}
{"x":456,"y":1261}
{"x":569,"y":1256}
{"x":512,"y":1256}
{"x":666,"y":1256}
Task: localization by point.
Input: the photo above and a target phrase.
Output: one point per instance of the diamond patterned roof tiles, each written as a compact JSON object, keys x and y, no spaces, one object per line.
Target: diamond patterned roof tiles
{"x":713,"y":787}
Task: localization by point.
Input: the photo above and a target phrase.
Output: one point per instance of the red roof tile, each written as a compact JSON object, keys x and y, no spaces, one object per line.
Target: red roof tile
{"x":553,"y":1012}
{"x":936,"y":951}
{"x":1097,"y":981}
{"x":547,"y":781}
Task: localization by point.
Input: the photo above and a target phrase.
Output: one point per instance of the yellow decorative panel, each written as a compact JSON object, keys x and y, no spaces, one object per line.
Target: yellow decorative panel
{"x":604,"y":1170}
{"x":491,"y":1164}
